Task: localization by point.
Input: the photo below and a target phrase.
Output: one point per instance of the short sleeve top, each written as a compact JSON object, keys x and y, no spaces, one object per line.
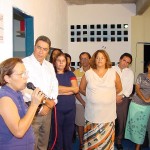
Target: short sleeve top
{"x":144,"y":83}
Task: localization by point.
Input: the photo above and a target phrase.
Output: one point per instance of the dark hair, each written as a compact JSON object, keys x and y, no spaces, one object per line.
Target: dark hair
{"x":6,"y":68}
{"x":61,"y":54}
{"x":83,"y":54}
{"x":43,"y":38}
{"x":51,"y":56}
{"x":93,"y":59}
{"x":67,"y":55}
{"x":148,"y":64}
{"x":126,"y":55}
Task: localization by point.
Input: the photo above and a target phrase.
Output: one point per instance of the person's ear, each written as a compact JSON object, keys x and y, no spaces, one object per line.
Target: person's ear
{"x":7,"y":78}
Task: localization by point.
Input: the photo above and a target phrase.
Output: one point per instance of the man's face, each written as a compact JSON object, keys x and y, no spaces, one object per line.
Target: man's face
{"x":84,"y":60}
{"x":41,"y":50}
{"x":124,"y":62}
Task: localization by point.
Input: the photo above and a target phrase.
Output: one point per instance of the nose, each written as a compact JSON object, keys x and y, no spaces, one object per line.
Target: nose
{"x":41,"y":50}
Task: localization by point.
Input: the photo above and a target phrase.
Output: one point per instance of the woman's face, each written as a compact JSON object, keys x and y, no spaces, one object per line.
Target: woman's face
{"x":60,"y":63}
{"x":18,"y":79}
{"x":100,"y":60}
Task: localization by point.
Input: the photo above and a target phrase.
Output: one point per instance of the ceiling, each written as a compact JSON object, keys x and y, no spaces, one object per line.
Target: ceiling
{"x":141,"y":5}
{"x":81,"y":2}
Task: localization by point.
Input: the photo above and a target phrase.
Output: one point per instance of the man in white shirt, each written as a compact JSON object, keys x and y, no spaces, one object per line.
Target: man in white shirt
{"x":127,"y":79}
{"x":42,"y":75}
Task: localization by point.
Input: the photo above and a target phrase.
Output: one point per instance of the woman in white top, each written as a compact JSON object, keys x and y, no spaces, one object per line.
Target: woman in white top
{"x":100,"y":84}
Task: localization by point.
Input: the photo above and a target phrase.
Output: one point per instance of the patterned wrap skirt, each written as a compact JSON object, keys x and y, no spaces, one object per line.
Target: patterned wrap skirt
{"x":99,"y":136}
{"x":137,"y":121}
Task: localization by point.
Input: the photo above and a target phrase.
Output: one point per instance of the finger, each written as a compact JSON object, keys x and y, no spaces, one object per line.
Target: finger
{"x":36,"y":91}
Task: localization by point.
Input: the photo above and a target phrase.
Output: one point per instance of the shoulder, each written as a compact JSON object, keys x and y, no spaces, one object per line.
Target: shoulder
{"x":26,"y":59}
{"x":115,"y":67}
{"x":48,"y":63}
{"x":89,"y":73}
{"x":142,"y":75}
{"x":129,"y":71}
{"x":112,"y":69}
{"x":70,"y":73}
{"x":4,"y":93}
{"x":112,"y":72}
{"x":76,"y":71}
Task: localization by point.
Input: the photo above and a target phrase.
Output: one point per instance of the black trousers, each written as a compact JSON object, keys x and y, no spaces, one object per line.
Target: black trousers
{"x":122,"y":112}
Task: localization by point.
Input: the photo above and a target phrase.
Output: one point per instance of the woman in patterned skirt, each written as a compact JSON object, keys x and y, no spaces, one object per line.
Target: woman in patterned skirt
{"x":100,"y":84}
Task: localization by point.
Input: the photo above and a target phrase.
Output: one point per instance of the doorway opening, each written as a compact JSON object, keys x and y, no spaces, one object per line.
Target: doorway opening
{"x":146,"y":56}
{"x":23,"y":34}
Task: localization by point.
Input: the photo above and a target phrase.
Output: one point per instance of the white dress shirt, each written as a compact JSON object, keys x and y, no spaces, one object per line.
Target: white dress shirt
{"x":127,"y":79}
{"x":42,"y":76}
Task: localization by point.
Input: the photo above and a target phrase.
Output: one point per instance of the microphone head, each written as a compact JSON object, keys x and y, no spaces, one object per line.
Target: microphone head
{"x":31,"y":86}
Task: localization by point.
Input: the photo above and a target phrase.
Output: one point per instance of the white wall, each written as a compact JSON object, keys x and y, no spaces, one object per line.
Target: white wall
{"x":100,"y":14}
{"x":140,"y":33}
{"x":50,"y":19}
{"x":6,"y":46}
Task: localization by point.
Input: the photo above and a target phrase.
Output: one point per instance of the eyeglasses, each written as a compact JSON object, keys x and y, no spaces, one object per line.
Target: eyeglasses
{"x":22,"y":75}
{"x":40,"y":48}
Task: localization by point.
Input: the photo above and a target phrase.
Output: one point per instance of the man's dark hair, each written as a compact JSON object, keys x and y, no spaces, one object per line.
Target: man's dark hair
{"x":127,"y":55}
{"x":85,"y":53}
{"x":45,"y":39}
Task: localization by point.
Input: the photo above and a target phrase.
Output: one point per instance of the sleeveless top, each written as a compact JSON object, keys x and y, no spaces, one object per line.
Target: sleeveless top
{"x":7,"y":140}
{"x":101,"y":97}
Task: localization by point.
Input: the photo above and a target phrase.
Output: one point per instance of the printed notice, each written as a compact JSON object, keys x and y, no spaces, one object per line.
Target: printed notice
{"x":1,"y":28}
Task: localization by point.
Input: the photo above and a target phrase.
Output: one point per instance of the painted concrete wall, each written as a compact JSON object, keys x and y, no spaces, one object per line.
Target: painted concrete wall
{"x":140,"y":33}
{"x":50,"y":19}
{"x":100,"y":14}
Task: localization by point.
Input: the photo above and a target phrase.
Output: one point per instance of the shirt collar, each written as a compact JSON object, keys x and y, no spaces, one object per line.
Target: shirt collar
{"x":81,"y":69}
{"x":33,"y":57}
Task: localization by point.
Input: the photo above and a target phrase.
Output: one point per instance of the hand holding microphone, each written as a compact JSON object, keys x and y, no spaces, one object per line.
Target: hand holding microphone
{"x":31,"y":86}
{"x":45,"y":102}
{"x":37,"y":97}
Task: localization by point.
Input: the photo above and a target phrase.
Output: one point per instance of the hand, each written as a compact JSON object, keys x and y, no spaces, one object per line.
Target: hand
{"x":50,"y":103}
{"x":45,"y":110}
{"x":147,"y":100}
{"x":119,"y":99}
{"x":37,"y":97}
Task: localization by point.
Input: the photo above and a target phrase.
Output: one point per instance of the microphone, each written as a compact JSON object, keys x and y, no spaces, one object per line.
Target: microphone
{"x":31,"y":86}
